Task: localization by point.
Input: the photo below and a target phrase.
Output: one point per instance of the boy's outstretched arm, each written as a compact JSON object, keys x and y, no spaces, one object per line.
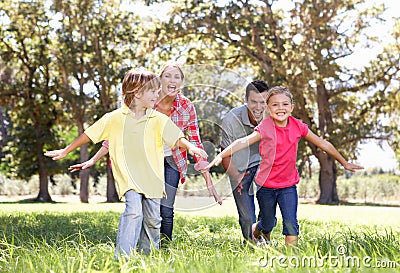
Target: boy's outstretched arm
{"x":87,"y":164}
{"x":331,"y":150}
{"x":59,"y":154}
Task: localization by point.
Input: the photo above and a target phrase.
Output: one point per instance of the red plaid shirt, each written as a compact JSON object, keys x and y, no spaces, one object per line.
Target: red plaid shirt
{"x":183,"y":114}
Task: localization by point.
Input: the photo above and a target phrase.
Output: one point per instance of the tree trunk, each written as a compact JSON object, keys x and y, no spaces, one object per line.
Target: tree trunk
{"x":112,"y":195}
{"x":43,"y":195}
{"x":83,"y":175}
{"x":328,"y":173}
{"x":327,"y":180}
{"x":3,"y":132}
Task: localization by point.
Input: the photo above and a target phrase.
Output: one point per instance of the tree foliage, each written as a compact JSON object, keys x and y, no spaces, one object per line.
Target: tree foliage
{"x":30,"y":90}
{"x":62,"y":63}
{"x":303,"y":50}
{"x":72,"y":58}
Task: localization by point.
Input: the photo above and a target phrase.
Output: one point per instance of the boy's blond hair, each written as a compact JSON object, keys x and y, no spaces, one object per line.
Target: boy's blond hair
{"x":137,"y":81}
{"x":279,"y":90}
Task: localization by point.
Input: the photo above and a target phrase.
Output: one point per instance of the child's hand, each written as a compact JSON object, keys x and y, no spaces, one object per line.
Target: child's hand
{"x":217,"y":160}
{"x":352,"y":167}
{"x":195,"y":151}
{"x":56,"y":154}
{"x":81,"y":166}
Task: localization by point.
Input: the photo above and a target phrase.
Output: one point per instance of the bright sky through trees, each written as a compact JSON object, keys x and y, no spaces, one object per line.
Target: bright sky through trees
{"x":372,"y":154}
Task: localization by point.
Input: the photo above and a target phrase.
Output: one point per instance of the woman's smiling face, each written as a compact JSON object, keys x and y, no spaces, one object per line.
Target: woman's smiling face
{"x":171,"y":80}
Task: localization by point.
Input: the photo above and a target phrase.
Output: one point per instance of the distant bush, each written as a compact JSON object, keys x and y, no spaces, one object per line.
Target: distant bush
{"x":308,"y":188}
{"x":12,"y":187}
{"x":370,"y":188}
{"x":195,"y":185}
{"x":363,"y":186}
{"x":367,"y":187}
{"x":62,"y":185}
{"x":98,"y":187}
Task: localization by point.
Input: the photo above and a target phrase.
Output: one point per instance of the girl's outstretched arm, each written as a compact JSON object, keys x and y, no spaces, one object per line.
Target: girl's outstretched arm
{"x":331,"y":150}
{"x":235,"y":146}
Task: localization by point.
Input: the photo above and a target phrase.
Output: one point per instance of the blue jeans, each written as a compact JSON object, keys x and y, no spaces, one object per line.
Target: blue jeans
{"x":287,"y":200}
{"x":245,"y":202}
{"x":139,"y":224}
{"x":171,"y":178}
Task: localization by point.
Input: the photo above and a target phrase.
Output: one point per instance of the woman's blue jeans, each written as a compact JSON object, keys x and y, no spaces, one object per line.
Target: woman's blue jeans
{"x":171,"y":178}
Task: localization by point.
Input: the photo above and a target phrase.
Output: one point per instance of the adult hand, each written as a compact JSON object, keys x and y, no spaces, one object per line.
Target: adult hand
{"x":239,"y":180}
{"x":81,"y":166}
{"x":56,"y":154}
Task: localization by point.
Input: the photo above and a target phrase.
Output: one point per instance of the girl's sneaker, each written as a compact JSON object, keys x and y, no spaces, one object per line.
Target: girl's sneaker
{"x":258,"y":239}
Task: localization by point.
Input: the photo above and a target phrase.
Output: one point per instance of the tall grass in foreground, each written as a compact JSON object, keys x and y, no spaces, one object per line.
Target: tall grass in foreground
{"x":84,"y":242}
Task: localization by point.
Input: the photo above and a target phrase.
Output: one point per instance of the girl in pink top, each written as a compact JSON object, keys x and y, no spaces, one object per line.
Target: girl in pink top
{"x":277,"y":176}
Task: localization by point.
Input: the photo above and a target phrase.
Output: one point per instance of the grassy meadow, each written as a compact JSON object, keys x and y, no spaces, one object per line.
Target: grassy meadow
{"x":74,"y":237}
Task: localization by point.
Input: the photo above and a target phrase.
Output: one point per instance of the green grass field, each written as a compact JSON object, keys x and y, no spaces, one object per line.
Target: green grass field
{"x":74,"y":237}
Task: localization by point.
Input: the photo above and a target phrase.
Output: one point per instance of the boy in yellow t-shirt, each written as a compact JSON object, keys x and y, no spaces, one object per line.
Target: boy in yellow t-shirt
{"x":136,"y":134}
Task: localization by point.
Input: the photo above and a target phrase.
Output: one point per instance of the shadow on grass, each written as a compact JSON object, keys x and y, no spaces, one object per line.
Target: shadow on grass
{"x":54,"y":228}
{"x":36,"y":201}
{"x":57,"y":229}
{"x":368,"y":204}
{"x":352,"y":203}
{"x":30,"y":200}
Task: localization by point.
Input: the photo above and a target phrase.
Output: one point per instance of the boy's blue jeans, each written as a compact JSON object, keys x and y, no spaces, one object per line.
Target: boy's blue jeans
{"x":139,"y":224}
{"x":245,"y":202}
{"x":287,"y":199}
{"x":171,"y":178}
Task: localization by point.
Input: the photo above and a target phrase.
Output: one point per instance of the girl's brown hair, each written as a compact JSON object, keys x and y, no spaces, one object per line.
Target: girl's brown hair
{"x":279,"y":90}
{"x":136,"y":81}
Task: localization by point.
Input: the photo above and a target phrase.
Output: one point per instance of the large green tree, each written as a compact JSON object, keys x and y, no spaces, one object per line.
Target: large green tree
{"x":390,"y":100}
{"x":84,"y":47}
{"x":301,"y":49}
{"x":29,"y":89}
{"x":97,"y":41}
{"x":73,"y":51}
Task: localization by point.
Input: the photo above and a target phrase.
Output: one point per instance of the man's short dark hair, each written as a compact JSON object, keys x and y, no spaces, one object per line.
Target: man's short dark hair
{"x":257,"y":85}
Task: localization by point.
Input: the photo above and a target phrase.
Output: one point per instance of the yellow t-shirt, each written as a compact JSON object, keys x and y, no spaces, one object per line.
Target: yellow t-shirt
{"x":136,"y":148}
